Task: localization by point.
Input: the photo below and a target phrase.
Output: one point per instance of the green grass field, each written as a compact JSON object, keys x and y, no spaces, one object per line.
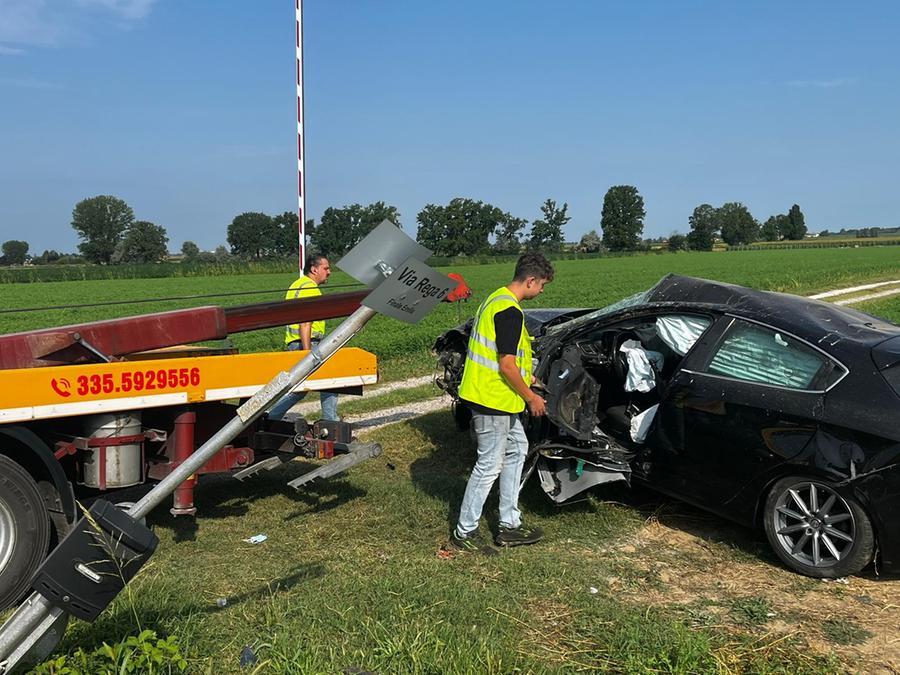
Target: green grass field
{"x":404,"y":349}
{"x":352,"y":575}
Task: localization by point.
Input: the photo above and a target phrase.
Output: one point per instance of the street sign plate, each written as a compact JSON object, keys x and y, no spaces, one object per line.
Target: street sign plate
{"x":386,"y":245}
{"x":410,"y":292}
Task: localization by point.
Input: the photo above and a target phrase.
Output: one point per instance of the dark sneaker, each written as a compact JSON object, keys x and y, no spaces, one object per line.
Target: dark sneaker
{"x":518,"y":536}
{"x":474,"y":543}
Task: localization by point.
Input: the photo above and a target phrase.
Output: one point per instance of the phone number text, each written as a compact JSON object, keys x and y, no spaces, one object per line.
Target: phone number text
{"x":138,"y":380}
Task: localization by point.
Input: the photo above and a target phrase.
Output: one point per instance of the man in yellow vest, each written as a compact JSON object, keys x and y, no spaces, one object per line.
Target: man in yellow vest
{"x":496,"y":385}
{"x":307,"y":335}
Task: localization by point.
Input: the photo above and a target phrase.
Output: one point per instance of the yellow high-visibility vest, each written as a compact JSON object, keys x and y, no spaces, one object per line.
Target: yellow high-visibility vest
{"x":304,"y":287}
{"x":482,"y":382}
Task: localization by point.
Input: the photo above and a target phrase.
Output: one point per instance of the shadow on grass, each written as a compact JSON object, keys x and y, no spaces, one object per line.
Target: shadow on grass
{"x":222,"y":496}
{"x":295,"y":576}
{"x":444,"y":472}
{"x":160,"y":603}
{"x":747,"y":542}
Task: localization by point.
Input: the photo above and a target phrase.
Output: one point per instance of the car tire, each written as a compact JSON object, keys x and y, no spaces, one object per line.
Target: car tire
{"x":815,"y":530}
{"x":24,"y":531}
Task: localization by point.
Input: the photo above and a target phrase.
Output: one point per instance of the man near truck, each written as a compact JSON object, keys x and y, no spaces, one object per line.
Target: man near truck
{"x":308,"y":334}
{"x":496,"y":386}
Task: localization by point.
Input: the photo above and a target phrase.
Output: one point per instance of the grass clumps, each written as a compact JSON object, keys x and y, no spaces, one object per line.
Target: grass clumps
{"x":144,"y":653}
{"x":753,"y":611}
{"x":844,"y":632}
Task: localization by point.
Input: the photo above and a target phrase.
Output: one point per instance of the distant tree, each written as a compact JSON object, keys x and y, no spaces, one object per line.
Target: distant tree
{"x":221,"y":253}
{"x":252,"y":235}
{"x":46,"y":257}
{"x":287,"y":234}
{"x":308,"y":232}
{"x":738,"y":225}
{"x":704,"y":222}
{"x":340,"y":229}
{"x":824,"y":233}
{"x":101,"y":222}
{"x":371,"y":217}
{"x":622,"y":219}
{"x":590,"y":242}
{"x":772,"y":229}
{"x":460,"y":228}
{"x":144,"y":242}
{"x":15,"y":252}
{"x":190,"y":251}
{"x":547,"y":232}
{"x":71,"y":259}
{"x":677,"y":242}
{"x":795,"y":227}
{"x":508,"y":240}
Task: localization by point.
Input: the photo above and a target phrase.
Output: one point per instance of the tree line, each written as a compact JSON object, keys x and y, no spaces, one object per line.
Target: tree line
{"x":111,"y":234}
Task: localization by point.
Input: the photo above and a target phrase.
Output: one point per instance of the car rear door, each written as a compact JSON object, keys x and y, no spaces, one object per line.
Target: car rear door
{"x":745,"y":400}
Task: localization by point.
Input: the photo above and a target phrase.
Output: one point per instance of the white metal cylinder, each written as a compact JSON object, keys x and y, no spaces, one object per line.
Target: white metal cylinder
{"x":122,"y":462}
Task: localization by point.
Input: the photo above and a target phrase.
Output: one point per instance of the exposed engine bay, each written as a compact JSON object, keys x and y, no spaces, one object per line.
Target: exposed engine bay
{"x":602,"y":388}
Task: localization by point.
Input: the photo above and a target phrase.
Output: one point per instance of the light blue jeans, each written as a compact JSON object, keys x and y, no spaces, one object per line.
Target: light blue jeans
{"x":502,"y":446}
{"x":329,"y":399}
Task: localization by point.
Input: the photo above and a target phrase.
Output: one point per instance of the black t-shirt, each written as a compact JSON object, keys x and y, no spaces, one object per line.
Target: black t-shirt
{"x":508,"y":327}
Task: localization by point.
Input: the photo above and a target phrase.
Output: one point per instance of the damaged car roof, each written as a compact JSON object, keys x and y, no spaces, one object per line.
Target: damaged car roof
{"x":817,"y":320}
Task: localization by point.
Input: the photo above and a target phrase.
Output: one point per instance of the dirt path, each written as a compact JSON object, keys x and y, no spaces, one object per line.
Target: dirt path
{"x":853,"y":289}
{"x":312,"y":406}
{"x":400,"y":413}
{"x":716,"y":574}
{"x":869,"y":296}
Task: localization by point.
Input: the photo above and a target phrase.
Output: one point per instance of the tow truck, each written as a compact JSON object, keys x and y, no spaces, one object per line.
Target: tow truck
{"x":91,"y":409}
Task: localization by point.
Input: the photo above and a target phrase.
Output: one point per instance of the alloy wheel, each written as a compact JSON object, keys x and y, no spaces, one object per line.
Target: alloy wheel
{"x":813,"y":524}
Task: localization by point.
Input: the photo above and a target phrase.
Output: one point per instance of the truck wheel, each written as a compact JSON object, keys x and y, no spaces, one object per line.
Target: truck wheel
{"x":24,"y":531}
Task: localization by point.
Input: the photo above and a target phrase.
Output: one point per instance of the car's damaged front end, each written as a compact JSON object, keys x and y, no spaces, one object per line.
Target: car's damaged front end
{"x":568,"y":451}
{"x":768,"y":409}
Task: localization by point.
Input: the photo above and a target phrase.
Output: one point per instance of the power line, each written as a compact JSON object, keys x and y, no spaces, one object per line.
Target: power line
{"x":145,"y":300}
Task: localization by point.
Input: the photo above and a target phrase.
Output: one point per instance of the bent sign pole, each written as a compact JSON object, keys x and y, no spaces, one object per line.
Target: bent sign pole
{"x":410,"y":291}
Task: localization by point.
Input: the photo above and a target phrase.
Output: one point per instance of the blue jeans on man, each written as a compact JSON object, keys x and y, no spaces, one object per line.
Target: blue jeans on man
{"x":328,"y":398}
{"x":502,"y":447}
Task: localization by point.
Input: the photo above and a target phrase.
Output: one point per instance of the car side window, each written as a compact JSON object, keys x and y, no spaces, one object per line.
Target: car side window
{"x":680,"y":332}
{"x":759,"y":354}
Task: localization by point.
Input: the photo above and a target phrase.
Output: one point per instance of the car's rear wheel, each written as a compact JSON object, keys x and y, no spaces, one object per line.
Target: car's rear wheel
{"x":24,"y":530}
{"x":815,"y":530}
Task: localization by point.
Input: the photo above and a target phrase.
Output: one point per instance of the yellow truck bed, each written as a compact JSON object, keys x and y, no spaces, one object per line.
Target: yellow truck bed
{"x":65,"y":391}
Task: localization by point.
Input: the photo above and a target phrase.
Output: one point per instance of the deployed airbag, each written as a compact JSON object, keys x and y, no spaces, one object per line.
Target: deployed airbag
{"x":680,"y":332}
{"x":640,"y":423}
{"x":641,"y":376}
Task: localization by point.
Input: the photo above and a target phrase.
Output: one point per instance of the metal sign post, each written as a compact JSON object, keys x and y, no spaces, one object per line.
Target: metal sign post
{"x":410,"y":291}
{"x":301,"y":146}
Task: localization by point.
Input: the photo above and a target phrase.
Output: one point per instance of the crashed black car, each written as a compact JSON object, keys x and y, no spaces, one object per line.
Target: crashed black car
{"x":766,"y":408}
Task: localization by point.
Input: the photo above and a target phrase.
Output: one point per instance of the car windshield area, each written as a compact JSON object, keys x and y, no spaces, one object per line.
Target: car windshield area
{"x":630,"y":301}
{"x":610,"y":374}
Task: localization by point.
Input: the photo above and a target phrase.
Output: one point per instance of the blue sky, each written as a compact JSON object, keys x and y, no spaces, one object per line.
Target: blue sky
{"x":186,"y":109}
